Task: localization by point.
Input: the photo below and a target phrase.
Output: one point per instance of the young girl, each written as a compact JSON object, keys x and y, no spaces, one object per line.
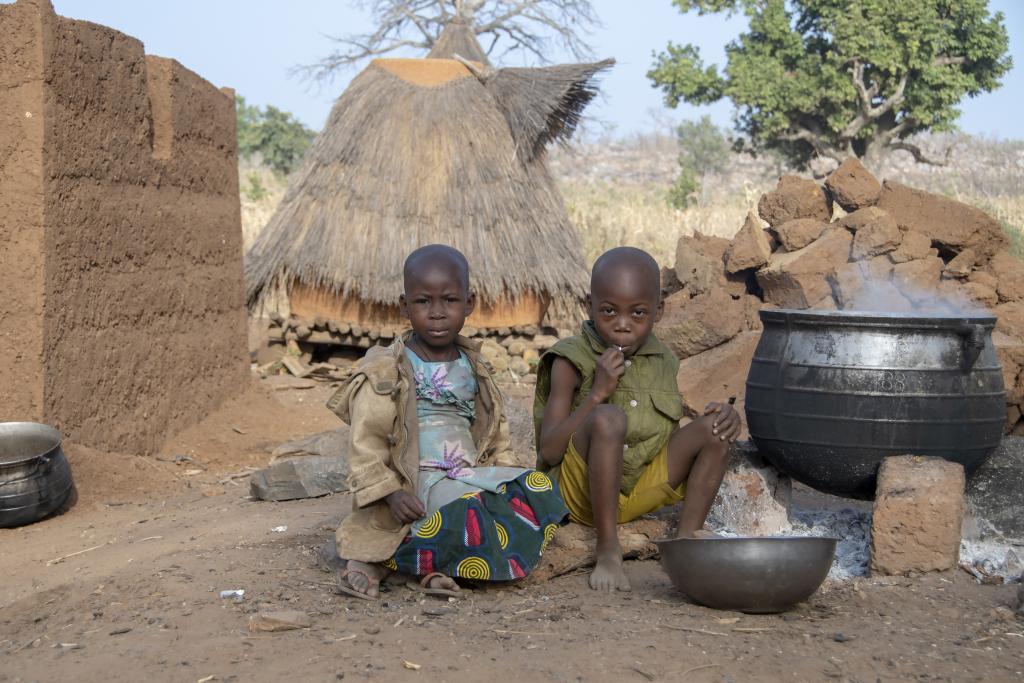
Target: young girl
{"x":436,"y":490}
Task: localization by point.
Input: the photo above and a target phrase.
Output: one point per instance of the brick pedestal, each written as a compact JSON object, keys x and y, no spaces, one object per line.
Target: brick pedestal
{"x":919,"y":507}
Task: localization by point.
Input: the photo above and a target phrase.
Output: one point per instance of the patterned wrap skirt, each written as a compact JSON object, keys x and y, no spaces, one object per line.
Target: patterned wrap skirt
{"x":486,"y":536}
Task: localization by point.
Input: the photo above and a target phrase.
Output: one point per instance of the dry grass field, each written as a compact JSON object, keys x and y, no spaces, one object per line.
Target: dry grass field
{"x":615,"y":190}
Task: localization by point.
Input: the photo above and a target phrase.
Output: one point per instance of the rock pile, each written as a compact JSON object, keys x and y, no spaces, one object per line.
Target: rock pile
{"x":893,"y":249}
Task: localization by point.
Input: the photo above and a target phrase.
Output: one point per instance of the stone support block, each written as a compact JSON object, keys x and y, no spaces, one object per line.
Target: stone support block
{"x":917,"y":515}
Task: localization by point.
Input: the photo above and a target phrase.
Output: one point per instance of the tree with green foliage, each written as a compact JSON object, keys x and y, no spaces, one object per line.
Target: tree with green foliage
{"x":839,"y":78}
{"x":703,"y":149}
{"x":279,"y":138}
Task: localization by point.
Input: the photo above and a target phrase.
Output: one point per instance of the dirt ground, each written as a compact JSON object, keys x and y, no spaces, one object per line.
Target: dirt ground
{"x":152,"y":542}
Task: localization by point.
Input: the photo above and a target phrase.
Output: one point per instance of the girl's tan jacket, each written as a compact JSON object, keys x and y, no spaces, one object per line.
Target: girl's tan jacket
{"x":379,"y":403}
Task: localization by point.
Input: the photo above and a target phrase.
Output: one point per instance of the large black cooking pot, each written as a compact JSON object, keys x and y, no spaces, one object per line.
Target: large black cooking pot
{"x":832,"y":393}
{"x":35,"y":479}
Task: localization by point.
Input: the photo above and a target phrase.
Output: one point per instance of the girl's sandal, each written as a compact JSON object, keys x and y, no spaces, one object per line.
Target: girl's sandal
{"x":423,"y":586}
{"x":343,"y":585}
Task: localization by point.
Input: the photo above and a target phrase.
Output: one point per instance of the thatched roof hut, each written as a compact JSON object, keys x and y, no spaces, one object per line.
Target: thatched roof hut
{"x":436,"y":150}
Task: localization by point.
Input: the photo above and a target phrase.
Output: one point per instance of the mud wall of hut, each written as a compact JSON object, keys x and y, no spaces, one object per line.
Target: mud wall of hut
{"x":21,"y":212}
{"x":134,"y":319}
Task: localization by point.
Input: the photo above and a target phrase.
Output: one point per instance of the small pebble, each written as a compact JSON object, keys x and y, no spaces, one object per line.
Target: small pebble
{"x":1003,"y":612}
{"x":840,"y":638}
{"x":372,"y":629}
{"x":436,"y":611}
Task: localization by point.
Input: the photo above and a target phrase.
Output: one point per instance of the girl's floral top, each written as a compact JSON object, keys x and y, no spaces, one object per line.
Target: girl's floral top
{"x":434,"y":385}
{"x":445,"y":393}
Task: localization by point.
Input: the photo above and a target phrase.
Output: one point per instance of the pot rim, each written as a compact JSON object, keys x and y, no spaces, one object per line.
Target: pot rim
{"x":874,"y":319}
{"x":47,"y":430}
{"x":736,"y":539}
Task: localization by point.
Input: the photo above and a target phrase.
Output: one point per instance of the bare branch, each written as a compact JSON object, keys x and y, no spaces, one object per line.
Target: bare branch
{"x":889,"y":129}
{"x":526,"y":21}
{"x":919,"y":155}
{"x":494,"y":41}
{"x":517,"y":43}
{"x":504,"y":18}
{"x":893,"y":100}
{"x":801,"y":133}
{"x":324,"y":69}
{"x":511,"y":26}
{"x":420,"y":25}
{"x":869,"y":112}
{"x":866,"y":95}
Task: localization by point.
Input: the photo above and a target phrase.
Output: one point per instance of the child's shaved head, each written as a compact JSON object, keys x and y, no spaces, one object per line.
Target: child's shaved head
{"x":626,"y":263}
{"x":436,"y":256}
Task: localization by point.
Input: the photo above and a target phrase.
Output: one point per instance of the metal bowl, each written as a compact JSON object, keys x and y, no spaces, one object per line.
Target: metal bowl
{"x":35,"y":479}
{"x":758,"y":575}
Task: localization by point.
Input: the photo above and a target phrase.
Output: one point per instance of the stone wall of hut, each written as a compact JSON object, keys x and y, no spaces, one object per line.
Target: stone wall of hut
{"x":123,"y":317}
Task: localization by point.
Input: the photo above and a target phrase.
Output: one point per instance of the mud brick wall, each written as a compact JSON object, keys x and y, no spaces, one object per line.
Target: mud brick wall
{"x":142,"y":320}
{"x":21,"y":212}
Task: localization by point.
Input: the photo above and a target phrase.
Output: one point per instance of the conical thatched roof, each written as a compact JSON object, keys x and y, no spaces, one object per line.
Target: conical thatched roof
{"x":420,"y":151}
{"x":458,"y":39}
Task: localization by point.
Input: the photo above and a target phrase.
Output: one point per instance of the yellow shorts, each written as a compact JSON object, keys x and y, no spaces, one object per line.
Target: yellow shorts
{"x":650,"y":493}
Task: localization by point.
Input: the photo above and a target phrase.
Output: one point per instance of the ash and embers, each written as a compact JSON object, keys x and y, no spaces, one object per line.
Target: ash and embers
{"x":991,"y":558}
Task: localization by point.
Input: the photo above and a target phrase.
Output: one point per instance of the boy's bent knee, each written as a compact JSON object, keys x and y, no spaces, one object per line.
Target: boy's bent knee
{"x":712,"y":441}
{"x":608,"y":421}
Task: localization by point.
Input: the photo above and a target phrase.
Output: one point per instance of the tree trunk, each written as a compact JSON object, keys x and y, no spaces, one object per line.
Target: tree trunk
{"x":875,"y":154}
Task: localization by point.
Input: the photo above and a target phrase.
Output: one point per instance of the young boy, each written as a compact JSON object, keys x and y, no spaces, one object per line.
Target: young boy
{"x":607,"y":409}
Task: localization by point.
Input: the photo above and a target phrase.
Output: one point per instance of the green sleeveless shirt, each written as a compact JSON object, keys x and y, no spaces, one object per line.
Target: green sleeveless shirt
{"x":647,"y":393}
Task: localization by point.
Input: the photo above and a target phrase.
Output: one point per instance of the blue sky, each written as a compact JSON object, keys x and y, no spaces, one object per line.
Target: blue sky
{"x":249,"y":45}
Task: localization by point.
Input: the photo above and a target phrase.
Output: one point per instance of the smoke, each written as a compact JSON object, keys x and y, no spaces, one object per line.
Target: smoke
{"x":882,"y":296}
{"x":918,"y":287}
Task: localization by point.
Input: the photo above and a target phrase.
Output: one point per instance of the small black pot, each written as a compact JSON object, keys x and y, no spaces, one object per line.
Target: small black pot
{"x":35,"y":479}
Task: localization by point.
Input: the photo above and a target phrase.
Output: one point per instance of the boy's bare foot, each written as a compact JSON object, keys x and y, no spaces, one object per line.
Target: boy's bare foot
{"x":704,"y":533}
{"x":699,"y":533}
{"x":361,"y":579}
{"x":440,"y":581}
{"x":608,"y":574}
